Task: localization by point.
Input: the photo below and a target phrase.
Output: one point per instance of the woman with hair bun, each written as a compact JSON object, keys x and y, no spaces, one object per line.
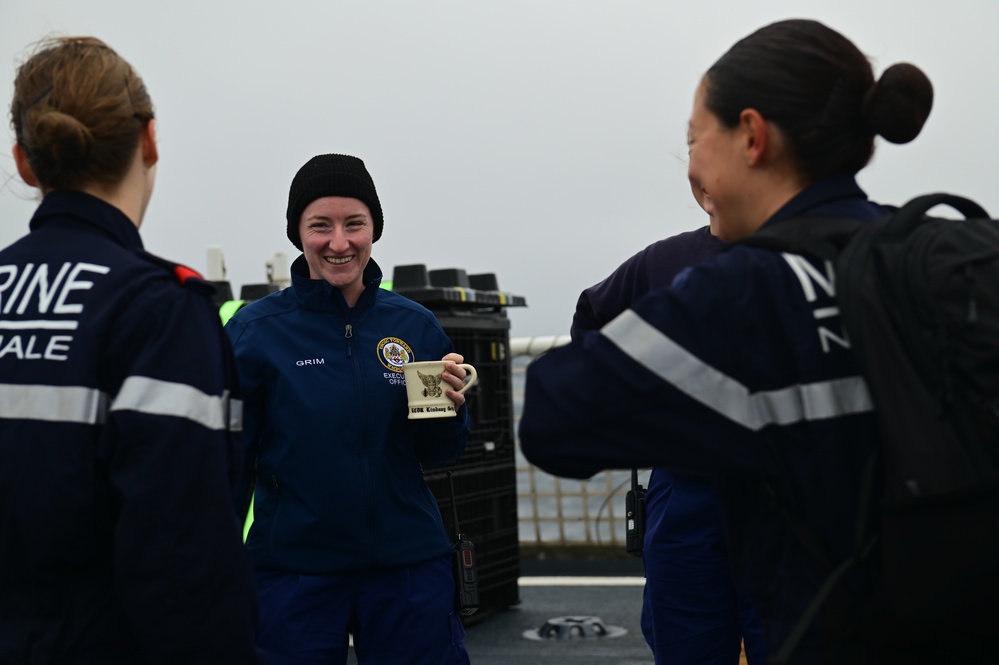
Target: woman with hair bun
{"x":740,"y":370}
{"x":119,"y":542}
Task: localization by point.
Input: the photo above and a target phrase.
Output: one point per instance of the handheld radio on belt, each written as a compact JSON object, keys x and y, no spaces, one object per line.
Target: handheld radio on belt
{"x":634,"y":507}
{"x":466,"y":574}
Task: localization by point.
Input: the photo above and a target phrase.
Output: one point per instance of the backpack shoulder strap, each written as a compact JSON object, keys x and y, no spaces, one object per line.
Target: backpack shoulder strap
{"x":821,"y":237}
{"x":911,"y":214}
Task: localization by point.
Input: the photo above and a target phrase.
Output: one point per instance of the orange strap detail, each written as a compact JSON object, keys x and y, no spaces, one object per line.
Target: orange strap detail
{"x":184,"y":273}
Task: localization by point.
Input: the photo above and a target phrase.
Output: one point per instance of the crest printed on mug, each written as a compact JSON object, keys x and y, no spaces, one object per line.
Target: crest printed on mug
{"x":431,"y":384}
{"x":394,"y":353}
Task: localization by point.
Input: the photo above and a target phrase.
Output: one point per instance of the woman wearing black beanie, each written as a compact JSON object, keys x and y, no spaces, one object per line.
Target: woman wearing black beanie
{"x":346,"y":535}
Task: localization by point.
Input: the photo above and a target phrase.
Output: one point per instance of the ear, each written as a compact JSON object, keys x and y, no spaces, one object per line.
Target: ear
{"x":755,"y":137}
{"x":150,"y":152}
{"x":24,"y":167}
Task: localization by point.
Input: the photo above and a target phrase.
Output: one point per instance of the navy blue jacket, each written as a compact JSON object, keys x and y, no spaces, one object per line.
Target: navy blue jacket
{"x":740,"y":370}
{"x":682,"y":513}
{"x":339,"y":483}
{"x":653,"y":268}
{"x":119,"y":542}
{"x":684,"y":538}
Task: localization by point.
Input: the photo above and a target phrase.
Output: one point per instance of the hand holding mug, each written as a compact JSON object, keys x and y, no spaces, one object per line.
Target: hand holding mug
{"x":454,"y":374}
{"x":436,"y":388}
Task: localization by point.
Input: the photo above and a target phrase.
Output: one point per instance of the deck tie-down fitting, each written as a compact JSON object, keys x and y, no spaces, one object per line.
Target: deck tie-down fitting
{"x":574,"y":627}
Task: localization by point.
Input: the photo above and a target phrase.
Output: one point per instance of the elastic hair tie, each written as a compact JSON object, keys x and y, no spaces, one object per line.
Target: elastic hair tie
{"x":39,"y":98}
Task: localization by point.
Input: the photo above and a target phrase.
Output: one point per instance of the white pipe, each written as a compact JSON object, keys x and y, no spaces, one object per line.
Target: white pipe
{"x":535,"y":346}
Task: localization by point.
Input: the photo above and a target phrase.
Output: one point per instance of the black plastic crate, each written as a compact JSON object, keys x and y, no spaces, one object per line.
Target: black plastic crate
{"x":491,"y":400}
{"x":486,"y":499}
{"x":499,"y":572}
{"x":486,"y":447}
{"x":472,"y":311}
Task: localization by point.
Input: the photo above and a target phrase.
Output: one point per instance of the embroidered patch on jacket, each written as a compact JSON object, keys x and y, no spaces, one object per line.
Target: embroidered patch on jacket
{"x":394,"y":353}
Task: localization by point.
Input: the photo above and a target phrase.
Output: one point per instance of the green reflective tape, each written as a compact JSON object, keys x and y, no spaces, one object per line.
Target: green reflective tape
{"x":228,"y":308}
{"x":249,"y":520}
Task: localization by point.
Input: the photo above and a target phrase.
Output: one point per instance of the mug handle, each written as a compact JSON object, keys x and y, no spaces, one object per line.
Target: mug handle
{"x":471,"y":378}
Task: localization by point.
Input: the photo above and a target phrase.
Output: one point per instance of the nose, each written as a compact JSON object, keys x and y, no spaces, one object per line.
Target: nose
{"x":696,"y":189}
{"x":338,"y":240}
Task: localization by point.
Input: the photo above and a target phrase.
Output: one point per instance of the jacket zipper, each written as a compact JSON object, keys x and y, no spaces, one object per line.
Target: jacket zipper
{"x":370,"y":503}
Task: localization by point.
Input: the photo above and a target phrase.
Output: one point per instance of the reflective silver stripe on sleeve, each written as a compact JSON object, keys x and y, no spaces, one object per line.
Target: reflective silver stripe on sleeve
{"x":64,"y":404}
{"x":38,"y":325}
{"x":650,"y":348}
{"x":236,"y":415}
{"x":164,"y":398}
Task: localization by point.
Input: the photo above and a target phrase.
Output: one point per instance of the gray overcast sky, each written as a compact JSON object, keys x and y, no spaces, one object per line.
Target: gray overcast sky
{"x":540,"y":140}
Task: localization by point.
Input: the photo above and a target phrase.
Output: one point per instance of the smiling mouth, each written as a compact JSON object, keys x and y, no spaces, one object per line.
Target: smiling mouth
{"x":707,"y":203}
{"x":338,"y":261}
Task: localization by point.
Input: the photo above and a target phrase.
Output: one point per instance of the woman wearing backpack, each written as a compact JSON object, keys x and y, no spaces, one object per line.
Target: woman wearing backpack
{"x":741,"y":369}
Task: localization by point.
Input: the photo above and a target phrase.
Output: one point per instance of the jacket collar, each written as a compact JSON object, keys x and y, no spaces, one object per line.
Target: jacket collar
{"x":90,"y":211}
{"x":834,"y":196}
{"x":320,"y":294}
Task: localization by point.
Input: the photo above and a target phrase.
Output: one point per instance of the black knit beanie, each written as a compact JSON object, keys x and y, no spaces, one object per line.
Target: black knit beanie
{"x":331,"y":175}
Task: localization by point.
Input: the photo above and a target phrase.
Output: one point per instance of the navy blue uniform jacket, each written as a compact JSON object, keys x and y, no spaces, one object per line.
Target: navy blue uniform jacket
{"x":684,"y":542}
{"x":119,"y":541}
{"x":339,"y":483}
{"x":683,"y":520}
{"x":741,"y":370}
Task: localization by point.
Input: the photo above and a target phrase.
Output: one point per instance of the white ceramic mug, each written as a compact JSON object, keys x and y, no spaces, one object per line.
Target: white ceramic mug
{"x":425,"y":389}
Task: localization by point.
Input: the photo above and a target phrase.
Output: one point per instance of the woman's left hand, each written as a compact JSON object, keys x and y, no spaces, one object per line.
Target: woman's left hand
{"x":455,"y":377}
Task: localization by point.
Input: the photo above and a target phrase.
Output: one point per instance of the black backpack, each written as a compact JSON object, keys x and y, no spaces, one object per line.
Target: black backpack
{"x":919,"y":300}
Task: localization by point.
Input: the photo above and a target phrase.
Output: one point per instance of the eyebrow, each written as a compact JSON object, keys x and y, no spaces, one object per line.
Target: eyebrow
{"x":349,"y":218}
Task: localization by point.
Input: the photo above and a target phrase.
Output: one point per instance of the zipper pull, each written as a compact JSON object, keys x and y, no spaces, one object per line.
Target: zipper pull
{"x":348,"y":333}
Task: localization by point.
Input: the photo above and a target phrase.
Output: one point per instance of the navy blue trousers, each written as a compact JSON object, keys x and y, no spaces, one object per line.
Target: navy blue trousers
{"x":700,"y":621}
{"x":397,"y":616}
{"x":692,"y":613}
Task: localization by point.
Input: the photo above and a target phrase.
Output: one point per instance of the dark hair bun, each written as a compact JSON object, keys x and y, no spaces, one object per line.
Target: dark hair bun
{"x":898,"y":105}
{"x":63,"y":140}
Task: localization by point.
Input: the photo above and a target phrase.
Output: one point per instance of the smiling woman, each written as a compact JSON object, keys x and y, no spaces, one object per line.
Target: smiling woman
{"x":730,"y":373}
{"x":335,"y":463}
{"x":334,"y":216}
{"x":336,"y":235}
